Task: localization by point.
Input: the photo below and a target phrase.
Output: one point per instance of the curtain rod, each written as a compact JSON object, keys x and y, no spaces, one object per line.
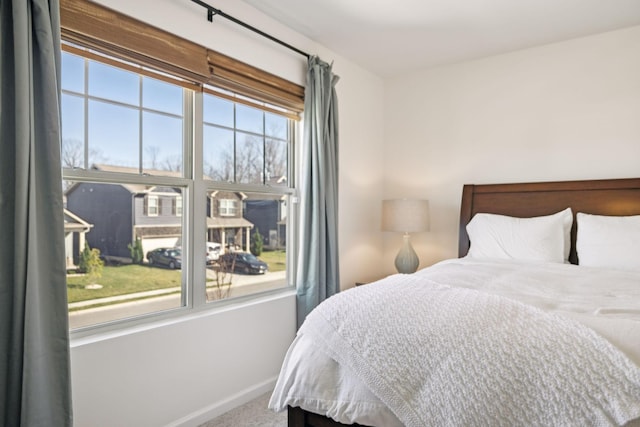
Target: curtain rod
{"x":211,"y":11}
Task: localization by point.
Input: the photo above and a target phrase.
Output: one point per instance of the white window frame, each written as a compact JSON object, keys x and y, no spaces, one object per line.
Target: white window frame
{"x":177,"y":205}
{"x":228,"y":207}
{"x":153,"y":205}
{"x":194,"y":189}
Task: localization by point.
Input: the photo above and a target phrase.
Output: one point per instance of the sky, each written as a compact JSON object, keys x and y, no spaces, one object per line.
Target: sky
{"x":129,"y":116}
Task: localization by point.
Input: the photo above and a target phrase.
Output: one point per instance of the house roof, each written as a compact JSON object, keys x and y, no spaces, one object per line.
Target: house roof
{"x":228,"y":223}
{"x":137,"y":188}
{"x":277,"y":181}
{"x":73,"y":222}
{"x":130,"y":170}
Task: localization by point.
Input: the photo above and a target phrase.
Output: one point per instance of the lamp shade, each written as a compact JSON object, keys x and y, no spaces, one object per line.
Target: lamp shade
{"x":405,"y":215}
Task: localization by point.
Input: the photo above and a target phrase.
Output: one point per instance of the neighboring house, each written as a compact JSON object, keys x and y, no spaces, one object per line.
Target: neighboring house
{"x":269,"y":217}
{"x":75,"y":229}
{"x":120,"y":213}
{"x":226,"y":221}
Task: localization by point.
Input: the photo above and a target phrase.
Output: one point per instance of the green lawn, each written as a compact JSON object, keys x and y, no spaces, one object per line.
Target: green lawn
{"x":123,"y":279}
{"x":275,"y":259}
{"x":127,"y":279}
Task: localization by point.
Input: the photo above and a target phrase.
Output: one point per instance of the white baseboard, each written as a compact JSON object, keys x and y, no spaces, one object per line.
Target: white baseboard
{"x":216,"y":409}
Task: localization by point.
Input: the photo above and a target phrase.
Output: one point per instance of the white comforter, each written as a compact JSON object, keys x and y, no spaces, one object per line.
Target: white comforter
{"x":445,"y":347}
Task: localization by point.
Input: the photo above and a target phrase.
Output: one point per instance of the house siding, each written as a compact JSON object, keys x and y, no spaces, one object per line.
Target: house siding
{"x":213,"y":207}
{"x":264,"y":214}
{"x":108,"y":208}
{"x":166,"y":214}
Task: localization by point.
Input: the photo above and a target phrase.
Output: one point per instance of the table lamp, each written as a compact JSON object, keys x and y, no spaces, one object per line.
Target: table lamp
{"x":406,"y":216}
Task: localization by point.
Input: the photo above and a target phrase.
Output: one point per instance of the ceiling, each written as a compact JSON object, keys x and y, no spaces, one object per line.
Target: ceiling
{"x":394,"y":37}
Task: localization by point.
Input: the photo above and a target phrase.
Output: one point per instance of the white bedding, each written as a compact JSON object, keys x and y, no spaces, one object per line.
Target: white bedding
{"x":606,"y":301}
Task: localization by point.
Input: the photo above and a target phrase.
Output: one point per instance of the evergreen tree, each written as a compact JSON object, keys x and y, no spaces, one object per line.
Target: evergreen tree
{"x":257,"y":243}
{"x":135,"y":249}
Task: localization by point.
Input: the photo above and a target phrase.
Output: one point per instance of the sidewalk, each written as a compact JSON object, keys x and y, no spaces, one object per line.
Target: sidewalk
{"x":121,"y":298}
{"x":94,"y":311}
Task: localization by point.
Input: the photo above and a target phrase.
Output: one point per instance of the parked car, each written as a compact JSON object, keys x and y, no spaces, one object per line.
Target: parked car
{"x":169,"y":257}
{"x":213,"y":252}
{"x":242,"y":261}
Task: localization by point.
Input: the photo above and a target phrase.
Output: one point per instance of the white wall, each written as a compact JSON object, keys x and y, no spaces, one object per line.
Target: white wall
{"x":569,"y":110}
{"x":180,"y":372}
{"x":187,"y":371}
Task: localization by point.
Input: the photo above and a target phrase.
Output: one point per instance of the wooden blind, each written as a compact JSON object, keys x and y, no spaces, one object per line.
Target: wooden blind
{"x":96,"y":27}
{"x":244,"y":79}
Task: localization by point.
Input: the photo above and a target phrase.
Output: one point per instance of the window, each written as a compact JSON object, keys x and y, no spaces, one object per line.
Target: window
{"x":127,"y":142}
{"x":152,"y":205}
{"x":244,"y":144}
{"x":189,"y":126}
{"x":177,"y":206}
{"x":122,"y":139}
{"x":228,"y":207}
{"x":120,"y":118}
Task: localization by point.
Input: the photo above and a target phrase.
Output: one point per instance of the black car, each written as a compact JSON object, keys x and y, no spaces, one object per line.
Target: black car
{"x":243,"y":262}
{"x":169,"y":257}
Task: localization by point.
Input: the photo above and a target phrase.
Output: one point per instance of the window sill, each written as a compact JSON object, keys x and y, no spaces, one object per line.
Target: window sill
{"x":105,"y":332}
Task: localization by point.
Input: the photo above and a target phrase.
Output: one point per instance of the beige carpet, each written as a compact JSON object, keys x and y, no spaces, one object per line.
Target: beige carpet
{"x":254,"y":413}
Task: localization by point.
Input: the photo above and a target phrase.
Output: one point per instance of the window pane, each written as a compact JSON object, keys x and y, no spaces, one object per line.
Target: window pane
{"x":218,"y":156}
{"x":249,"y":119}
{"x":115,"y":282}
{"x":251,"y":155}
{"x":161,"y":142}
{"x":217,"y":111}
{"x":276,"y":126}
{"x":246,"y":253}
{"x":178,"y":206}
{"x":113,"y":134}
{"x":72,"y":72}
{"x":161,"y":96}
{"x":114,"y":84}
{"x":152,"y":206}
{"x":275,"y":157}
{"x":249,"y":159}
{"x":72,"y":131}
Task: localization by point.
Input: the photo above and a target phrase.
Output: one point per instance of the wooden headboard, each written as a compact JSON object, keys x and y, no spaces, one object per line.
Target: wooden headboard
{"x":601,"y":197}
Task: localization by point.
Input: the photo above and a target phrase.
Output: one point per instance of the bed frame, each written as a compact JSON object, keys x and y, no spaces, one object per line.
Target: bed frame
{"x":617,"y":197}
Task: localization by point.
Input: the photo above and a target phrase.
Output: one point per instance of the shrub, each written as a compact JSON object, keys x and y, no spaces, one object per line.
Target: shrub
{"x":257,"y":243}
{"x":90,"y":263}
{"x":135,"y":249}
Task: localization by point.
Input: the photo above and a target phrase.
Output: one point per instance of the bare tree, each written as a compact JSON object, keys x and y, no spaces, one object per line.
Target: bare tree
{"x":219,"y":287}
{"x":275,"y":158}
{"x":172,"y":163}
{"x":72,"y":153}
{"x":249,"y":160}
{"x":222,"y":171}
{"x":254,"y":161}
{"x":151,"y":155}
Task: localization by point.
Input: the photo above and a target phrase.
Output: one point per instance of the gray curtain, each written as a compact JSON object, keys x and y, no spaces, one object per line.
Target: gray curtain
{"x":34,"y":337}
{"x":318,"y":275}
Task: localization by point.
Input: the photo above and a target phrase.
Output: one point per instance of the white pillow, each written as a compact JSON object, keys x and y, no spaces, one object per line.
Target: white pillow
{"x":541,"y":238}
{"x":608,"y":241}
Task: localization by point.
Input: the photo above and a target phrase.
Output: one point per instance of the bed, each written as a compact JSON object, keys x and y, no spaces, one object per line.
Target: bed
{"x":568,"y":352}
